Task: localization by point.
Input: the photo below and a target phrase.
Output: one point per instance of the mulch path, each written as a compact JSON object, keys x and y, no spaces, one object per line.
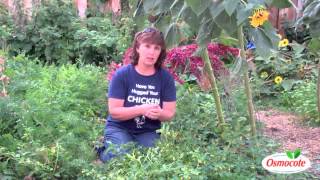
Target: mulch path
{"x":288,"y":130}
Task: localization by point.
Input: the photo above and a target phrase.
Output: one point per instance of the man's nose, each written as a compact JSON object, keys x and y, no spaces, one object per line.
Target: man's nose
{"x":152,"y":50}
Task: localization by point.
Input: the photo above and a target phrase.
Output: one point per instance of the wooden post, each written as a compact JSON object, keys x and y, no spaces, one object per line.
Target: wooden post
{"x":27,"y":8}
{"x":82,"y":8}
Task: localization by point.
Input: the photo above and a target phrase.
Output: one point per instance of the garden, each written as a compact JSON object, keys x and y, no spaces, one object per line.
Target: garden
{"x":245,"y":89}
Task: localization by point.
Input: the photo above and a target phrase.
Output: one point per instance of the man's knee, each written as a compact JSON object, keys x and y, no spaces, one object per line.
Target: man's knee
{"x":147,"y":139}
{"x":117,"y":135}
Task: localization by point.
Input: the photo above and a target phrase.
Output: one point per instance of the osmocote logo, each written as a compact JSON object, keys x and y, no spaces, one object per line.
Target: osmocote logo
{"x":286,"y":163}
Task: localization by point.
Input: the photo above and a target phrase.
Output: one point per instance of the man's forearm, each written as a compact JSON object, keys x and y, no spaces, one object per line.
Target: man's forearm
{"x":166,"y":115}
{"x":125,"y":113}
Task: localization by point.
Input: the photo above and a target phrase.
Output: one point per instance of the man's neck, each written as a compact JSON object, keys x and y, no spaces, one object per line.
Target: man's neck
{"x":145,"y":70}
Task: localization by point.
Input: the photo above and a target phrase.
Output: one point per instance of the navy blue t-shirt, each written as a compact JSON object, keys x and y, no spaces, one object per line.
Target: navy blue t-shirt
{"x":137,"y":89}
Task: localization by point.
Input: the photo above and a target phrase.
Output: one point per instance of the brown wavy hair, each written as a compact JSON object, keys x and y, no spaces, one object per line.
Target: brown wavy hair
{"x":152,"y":36}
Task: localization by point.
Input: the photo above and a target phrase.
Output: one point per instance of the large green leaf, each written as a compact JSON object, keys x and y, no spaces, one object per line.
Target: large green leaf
{"x":314,"y":45}
{"x":216,"y":8}
{"x":198,"y":6}
{"x":139,"y":20}
{"x":226,"y":22}
{"x":243,"y":13}
{"x":150,"y":5}
{"x":207,"y":31}
{"x":281,"y":3}
{"x":311,"y":12}
{"x":270,"y":31}
{"x":190,"y":18}
{"x":315,"y":28}
{"x":227,"y":39}
{"x":287,"y":84}
{"x":298,"y":49}
{"x":155,"y":7}
{"x":162,"y":23}
{"x":261,"y":2}
{"x":172,"y":35}
{"x":139,"y":10}
{"x":205,"y":15}
{"x":230,"y":6}
{"x":176,"y":7}
{"x":262,"y":42}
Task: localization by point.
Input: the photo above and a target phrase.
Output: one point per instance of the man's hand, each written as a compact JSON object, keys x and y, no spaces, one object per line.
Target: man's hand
{"x":154,"y":113}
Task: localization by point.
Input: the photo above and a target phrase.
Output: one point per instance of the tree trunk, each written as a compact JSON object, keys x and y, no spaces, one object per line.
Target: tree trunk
{"x":82,"y":7}
{"x":318,"y":91}
{"x":247,"y":83}
{"x":209,"y":72}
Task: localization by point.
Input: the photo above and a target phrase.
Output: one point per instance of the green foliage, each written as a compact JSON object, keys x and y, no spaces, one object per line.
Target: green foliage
{"x":292,"y":65}
{"x":49,"y":124}
{"x":299,"y":34}
{"x":50,"y":120}
{"x":56,"y":35}
{"x":49,"y":35}
{"x":209,"y":19}
{"x":302,"y":100}
{"x":6,"y":26}
{"x":99,"y":41}
{"x":311,"y":16}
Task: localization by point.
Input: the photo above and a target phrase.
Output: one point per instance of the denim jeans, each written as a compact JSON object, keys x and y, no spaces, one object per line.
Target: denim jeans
{"x":115,"y":137}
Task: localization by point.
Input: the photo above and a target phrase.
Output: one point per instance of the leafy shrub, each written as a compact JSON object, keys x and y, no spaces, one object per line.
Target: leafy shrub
{"x":55,"y":34}
{"x":99,"y":41}
{"x":6,"y":26}
{"x":284,"y":69}
{"x":303,"y":100}
{"x":50,"y":120}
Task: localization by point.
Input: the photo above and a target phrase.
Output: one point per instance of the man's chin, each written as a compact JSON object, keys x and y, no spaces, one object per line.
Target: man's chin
{"x":150,"y":64}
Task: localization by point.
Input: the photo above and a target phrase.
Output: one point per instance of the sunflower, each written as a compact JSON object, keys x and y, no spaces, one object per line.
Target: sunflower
{"x":278,"y":79}
{"x":283,"y":43}
{"x":264,"y":74}
{"x":259,"y":16}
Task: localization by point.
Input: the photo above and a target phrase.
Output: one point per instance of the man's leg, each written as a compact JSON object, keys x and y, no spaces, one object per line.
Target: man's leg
{"x":114,"y":138}
{"x":147,"y":139}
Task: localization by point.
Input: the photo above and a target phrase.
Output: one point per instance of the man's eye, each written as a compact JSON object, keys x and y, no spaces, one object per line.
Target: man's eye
{"x":147,"y":45}
{"x":157,"y":48}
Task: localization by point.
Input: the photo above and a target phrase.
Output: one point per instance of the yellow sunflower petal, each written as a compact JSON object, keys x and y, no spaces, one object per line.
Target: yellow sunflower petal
{"x":258,"y":17}
{"x":278,"y":79}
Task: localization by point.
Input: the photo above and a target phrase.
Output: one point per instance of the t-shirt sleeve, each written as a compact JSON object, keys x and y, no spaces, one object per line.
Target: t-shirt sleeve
{"x":169,"y":89}
{"x":117,"y":86}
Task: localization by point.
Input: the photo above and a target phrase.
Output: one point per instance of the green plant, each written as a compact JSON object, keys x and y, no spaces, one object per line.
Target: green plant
{"x":51,"y":119}
{"x":284,"y":69}
{"x":6,"y":28}
{"x":56,"y":35}
{"x":54,"y":121}
{"x":99,"y":41}
{"x":302,"y":100}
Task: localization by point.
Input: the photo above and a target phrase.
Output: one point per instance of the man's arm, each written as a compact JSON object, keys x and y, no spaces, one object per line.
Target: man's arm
{"x":117,"y":111}
{"x":165,"y":114}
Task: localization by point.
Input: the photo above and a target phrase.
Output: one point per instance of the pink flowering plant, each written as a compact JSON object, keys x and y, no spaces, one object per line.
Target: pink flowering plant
{"x":182,"y":59}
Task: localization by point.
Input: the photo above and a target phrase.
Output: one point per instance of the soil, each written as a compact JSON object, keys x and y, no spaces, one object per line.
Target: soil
{"x":289,"y":131}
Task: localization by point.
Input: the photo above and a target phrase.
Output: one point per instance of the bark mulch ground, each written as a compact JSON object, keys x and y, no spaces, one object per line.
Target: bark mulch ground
{"x":287,"y":129}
